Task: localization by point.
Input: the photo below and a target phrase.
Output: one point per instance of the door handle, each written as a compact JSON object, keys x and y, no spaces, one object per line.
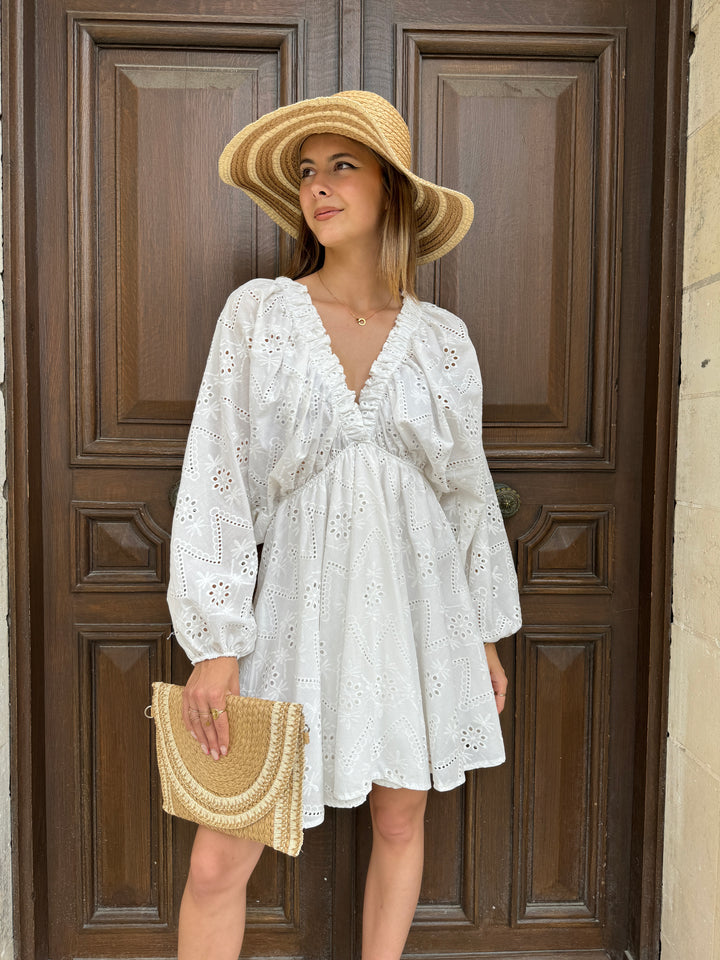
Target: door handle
{"x":508,"y":499}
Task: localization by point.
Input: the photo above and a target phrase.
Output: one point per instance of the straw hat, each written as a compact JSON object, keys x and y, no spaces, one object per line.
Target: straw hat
{"x":262,"y":159}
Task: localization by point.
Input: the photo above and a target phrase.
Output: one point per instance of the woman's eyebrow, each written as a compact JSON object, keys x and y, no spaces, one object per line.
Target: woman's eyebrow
{"x":335,"y":156}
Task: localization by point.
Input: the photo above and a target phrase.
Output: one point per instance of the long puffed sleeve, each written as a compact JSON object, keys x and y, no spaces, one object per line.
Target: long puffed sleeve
{"x":468,"y":495}
{"x":213,"y":558}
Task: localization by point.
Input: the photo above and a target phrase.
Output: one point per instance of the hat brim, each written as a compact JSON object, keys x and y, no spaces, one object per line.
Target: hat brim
{"x":262,"y":160}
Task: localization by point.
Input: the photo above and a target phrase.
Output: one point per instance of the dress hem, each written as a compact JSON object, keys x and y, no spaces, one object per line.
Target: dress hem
{"x":357,"y":801}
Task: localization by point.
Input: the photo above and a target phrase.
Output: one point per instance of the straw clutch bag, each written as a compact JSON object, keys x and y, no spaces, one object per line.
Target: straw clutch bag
{"x":254,"y":792}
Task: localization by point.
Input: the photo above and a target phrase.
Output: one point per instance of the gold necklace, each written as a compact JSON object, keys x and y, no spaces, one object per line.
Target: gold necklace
{"x":361,"y":321}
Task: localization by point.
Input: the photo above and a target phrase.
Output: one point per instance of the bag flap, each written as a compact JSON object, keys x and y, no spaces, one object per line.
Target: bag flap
{"x":266,"y":740}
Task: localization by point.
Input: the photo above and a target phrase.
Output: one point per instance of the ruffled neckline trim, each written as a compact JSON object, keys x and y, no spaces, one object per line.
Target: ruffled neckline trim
{"x":394,"y":351}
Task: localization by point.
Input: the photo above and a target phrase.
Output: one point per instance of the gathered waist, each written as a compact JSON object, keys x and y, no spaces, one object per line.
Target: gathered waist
{"x":265,"y":518}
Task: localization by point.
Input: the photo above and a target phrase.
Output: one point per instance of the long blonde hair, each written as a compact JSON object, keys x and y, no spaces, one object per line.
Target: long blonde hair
{"x":398,"y":237}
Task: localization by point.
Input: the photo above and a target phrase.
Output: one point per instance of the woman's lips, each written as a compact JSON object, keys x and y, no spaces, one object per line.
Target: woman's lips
{"x":325,"y":213}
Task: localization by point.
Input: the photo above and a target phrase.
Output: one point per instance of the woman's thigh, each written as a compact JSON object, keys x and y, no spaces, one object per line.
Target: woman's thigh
{"x":219,"y":860}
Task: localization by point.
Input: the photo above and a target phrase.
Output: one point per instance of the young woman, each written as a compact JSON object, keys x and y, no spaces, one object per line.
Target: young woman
{"x":339,"y":424}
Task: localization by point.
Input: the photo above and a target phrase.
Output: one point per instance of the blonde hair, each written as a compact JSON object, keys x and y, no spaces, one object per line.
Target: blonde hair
{"x":398,"y":237}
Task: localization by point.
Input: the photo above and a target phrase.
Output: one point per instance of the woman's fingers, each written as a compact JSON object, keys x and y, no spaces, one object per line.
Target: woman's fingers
{"x":499,"y":685}
{"x":204,"y":704}
{"x":498,"y":679}
{"x":500,"y":694}
{"x":199,"y":719}
{"x":221,"y":732}
{"x":213,"y":733}
{"x":186,"y":712}
{"x":209,"y":725}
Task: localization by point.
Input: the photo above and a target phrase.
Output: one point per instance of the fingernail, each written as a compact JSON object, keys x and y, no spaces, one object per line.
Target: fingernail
{"x":193,"y":735}
{"x":215,"y":754}
{"x":223,"y":751}
{"x":204,"y":748}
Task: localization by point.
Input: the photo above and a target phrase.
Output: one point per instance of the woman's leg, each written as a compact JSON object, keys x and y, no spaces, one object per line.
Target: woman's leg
{"x":212,"y":912}
{"x":395,"y":871}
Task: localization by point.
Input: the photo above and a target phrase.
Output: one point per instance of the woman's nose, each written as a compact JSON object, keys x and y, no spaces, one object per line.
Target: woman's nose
{"x":320,"y":188}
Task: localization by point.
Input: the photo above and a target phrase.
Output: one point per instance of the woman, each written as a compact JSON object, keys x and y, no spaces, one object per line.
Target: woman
{"x":339,"y":423}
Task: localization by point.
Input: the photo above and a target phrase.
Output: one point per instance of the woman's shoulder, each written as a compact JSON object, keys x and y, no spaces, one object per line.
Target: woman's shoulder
{"x":260,"y":302}
{"x":445,"y":325}
{"x":258,"y":292}
{"x":449,"y":348}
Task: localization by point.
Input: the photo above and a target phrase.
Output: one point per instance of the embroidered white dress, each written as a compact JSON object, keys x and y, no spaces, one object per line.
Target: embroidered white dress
{"x":385,"y":563}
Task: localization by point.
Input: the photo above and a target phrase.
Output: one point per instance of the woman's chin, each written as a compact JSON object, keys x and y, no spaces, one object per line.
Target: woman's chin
{"x":326,"y":234}
{"x":341,"y":239}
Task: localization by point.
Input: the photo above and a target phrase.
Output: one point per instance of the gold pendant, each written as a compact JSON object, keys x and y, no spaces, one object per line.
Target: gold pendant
{"x":361,"y":321}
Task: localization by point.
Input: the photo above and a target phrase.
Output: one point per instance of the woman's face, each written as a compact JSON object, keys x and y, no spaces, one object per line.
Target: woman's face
{"x":342,"y":196}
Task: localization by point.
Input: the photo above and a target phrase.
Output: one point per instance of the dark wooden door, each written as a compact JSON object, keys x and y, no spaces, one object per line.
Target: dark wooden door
{"x":542,"y":113}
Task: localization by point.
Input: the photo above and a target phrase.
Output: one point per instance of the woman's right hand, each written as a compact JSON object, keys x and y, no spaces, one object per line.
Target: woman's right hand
{"x":204,"y":700}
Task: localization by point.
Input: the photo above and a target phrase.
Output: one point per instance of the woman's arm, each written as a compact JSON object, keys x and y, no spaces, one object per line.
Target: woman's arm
{"x":468,"y":498}
{"x":213,"y":553}
{"x":213,"y":557}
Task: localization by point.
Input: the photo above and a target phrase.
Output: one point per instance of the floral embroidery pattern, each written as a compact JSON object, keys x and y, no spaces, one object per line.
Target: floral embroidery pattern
{"x":385,"y":565}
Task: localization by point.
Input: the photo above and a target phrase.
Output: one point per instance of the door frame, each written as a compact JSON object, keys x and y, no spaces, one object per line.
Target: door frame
{"x":25,"y":533}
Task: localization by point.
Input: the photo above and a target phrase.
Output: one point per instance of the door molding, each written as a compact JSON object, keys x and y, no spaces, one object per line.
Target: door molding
{"x":660,"y":435}
{"x":25,"y":540}
{"x":27,"y":785}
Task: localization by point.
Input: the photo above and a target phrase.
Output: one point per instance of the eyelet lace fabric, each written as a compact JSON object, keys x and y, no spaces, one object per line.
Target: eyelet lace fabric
{"x":385,"y":563}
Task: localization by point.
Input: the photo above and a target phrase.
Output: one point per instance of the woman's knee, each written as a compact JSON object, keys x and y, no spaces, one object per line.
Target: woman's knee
{"x":398,"y":815}
{"x":221,"y":864}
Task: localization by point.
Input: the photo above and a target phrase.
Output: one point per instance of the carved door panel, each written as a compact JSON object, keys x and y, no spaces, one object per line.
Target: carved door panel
{"x":532,"y":119}
{"x":140,"y":102}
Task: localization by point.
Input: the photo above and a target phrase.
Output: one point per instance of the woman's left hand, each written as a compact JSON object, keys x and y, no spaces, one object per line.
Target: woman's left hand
{"x":497,"y":676}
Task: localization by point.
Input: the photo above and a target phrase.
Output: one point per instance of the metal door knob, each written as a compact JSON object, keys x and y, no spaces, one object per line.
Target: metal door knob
{"x":508,"y":499}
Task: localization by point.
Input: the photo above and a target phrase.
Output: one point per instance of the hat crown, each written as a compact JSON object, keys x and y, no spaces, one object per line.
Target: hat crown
{"x":385,"y":118}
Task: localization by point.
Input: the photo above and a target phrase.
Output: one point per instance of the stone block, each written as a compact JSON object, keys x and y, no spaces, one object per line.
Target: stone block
{"x":704,"y":92}
{"x":2,"y":260}
{"x":702,"y":204}
{"x":2,"y":330}
{"x":694,"y":707}
{"x":701,"y":8}
{"x":696,"y":582}
{"x":3,"y":465}
{"x":6,"y":940}
{"x":700,"y":350}
{"x":692,"y":846}
{"x":698,"y":454}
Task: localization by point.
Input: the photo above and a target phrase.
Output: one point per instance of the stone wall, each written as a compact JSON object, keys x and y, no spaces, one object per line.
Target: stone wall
{"x":691,"y":889}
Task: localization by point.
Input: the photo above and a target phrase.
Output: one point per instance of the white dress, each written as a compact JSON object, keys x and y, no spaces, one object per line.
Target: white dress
{"x":385,"y":563}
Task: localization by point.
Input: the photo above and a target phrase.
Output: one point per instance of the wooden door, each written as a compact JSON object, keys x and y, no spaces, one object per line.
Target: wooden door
{"x":543,"y":114}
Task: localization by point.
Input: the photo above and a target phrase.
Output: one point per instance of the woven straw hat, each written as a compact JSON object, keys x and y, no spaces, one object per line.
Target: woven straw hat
{"x":262,"y":159}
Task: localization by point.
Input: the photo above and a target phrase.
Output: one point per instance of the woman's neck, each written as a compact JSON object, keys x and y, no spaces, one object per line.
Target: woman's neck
{"x":354,"y":278}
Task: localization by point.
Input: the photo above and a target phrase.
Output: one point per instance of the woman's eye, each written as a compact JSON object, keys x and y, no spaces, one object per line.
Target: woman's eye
{"x":306,"y":172}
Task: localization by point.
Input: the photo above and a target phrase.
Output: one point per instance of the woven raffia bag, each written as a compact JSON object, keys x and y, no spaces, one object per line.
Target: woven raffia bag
{"x":254,"y":792}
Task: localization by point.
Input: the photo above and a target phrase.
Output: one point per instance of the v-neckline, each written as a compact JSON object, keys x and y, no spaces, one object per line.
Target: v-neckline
{"x":385,"y":351}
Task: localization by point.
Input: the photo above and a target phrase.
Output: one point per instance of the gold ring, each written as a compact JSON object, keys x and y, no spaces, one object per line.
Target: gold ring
{"x":215,"y":713}
{"x":500,"y":694}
